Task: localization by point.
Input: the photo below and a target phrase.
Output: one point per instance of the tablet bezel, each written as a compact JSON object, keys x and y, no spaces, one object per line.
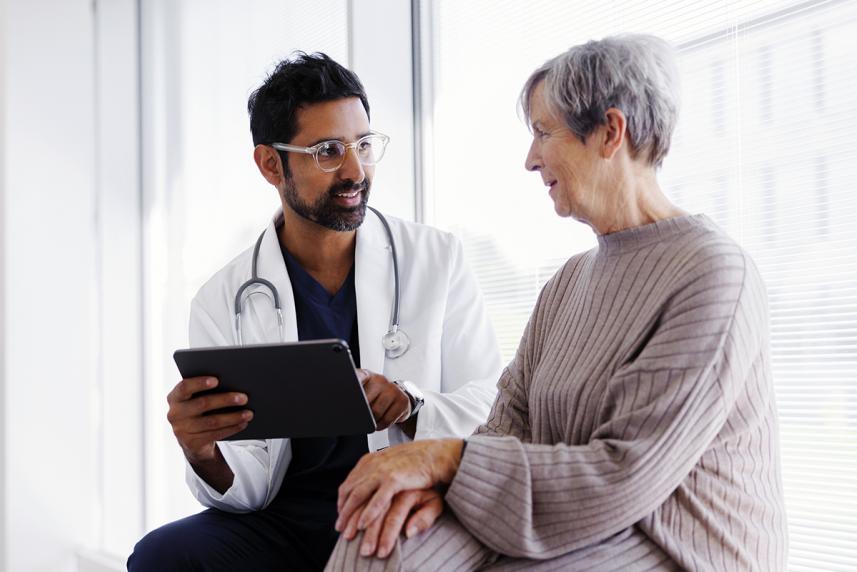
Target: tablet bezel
{"x":321,"y":396}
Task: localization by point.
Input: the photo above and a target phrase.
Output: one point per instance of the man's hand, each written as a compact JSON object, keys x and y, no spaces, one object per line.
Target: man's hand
{"x":197,"y":432}
{"x":388,"y":402}
{"x":378,"y":477}
{"x":414,"y":511}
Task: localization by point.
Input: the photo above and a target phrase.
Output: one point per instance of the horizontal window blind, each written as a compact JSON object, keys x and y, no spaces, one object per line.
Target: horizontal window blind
{"x":764,"y":147}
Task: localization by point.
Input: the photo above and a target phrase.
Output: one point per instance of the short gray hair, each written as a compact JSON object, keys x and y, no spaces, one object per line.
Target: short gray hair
{"x":634,"y":73}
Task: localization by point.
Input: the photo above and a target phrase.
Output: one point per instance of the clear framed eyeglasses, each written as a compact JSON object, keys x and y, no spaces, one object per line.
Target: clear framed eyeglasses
{"x":330,"y":155}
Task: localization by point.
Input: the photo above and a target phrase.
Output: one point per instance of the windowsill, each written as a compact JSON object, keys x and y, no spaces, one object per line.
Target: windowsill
{"x":98,"y":561}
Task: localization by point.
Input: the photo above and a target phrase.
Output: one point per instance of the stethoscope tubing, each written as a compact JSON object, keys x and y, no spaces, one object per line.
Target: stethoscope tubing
{"x":395,"y":341}
{"x":394,"y":320}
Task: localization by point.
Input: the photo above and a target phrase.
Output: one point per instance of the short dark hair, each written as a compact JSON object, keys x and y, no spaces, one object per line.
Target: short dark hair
{"x":297,"y":81}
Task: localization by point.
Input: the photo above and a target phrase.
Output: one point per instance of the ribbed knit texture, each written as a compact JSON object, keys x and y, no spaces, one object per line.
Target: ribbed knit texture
{"x":636,"y":426}
{"x":640,"y":398}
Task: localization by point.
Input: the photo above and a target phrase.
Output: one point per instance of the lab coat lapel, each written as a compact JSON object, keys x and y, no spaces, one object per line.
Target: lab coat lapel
{"x":374,"y":286}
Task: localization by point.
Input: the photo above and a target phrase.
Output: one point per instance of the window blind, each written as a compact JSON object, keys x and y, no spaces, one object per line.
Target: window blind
{"x":763,"y":147}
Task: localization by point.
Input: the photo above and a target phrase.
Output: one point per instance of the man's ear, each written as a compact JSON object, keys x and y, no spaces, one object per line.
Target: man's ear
{"x":615,"y":131}
{"x":269,"y":164}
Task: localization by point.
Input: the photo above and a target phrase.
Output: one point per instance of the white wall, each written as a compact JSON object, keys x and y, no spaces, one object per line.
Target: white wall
{"x":119,"y":441}
{"x":2,"y":285}
{"x":49,"y":265}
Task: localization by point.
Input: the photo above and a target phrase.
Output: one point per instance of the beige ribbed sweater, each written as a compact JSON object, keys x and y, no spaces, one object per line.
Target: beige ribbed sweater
{"x":636,"y":426}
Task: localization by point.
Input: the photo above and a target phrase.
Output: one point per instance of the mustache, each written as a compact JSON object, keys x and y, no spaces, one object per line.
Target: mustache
{"x":348,"y":187}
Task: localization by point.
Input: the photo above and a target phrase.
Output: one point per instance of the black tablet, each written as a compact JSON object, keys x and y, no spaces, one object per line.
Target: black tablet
{"x":299,"y":389}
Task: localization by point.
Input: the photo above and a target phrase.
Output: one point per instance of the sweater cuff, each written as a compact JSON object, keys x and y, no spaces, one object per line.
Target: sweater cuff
{"x":481,"y":470}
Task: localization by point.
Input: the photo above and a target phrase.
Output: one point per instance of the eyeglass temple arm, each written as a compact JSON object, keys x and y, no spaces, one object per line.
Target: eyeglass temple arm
{"x":293,"y":148}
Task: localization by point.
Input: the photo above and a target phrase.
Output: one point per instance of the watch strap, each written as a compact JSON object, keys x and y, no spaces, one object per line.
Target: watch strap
{"x":416,"y":403}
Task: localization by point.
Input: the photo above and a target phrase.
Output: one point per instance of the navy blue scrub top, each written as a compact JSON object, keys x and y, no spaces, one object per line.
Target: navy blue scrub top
{"x":320,"y":464}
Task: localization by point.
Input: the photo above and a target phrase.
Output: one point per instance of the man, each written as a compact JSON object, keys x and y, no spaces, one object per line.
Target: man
{"x":273,"y":502}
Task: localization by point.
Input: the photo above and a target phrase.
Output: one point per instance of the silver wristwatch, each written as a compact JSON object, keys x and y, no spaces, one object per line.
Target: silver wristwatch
{"x":415,"y":395}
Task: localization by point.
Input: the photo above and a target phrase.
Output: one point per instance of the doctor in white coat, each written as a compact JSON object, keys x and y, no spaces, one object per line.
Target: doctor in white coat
{"x":310,"y":123}
{"x":452,"y":358}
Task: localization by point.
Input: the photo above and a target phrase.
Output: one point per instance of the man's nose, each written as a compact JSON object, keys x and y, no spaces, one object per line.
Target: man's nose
{"x":351,"y":167}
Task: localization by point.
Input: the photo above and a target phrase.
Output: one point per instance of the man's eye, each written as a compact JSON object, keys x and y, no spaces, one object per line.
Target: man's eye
{"x":365,"y":146}
{"x":330,"y":150}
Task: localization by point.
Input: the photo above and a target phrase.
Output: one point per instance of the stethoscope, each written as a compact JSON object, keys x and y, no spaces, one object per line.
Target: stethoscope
{"x":395,"y":341}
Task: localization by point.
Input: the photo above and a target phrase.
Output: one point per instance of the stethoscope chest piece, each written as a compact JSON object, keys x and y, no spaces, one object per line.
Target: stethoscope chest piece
{"x":396,"y":342}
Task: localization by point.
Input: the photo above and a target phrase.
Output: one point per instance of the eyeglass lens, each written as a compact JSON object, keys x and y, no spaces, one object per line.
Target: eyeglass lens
{"x":331,"y":154}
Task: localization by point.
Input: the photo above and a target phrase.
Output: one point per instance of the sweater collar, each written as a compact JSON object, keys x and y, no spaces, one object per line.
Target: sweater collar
{"x":634,"y":238}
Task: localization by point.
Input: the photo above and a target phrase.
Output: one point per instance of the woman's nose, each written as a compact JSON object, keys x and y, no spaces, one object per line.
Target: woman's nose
{"x":533,"y":160}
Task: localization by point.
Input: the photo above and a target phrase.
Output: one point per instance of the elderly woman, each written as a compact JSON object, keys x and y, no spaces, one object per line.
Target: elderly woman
{"x":636,"y":426}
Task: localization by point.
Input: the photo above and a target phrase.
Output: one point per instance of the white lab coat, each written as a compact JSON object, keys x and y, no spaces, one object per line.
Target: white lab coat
{"x":453,"y":356}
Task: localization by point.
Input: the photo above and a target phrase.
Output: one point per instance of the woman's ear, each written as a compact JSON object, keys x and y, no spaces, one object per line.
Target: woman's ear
{"x":268,"y":161}
{"x":615,"y":130}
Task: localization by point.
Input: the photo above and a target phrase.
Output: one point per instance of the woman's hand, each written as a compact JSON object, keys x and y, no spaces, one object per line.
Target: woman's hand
{"x":415,"y":511}
{"x":378,"y":477}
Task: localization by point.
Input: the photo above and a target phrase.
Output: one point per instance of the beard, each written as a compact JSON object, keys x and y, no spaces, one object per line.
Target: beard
{"x":325,"y":212}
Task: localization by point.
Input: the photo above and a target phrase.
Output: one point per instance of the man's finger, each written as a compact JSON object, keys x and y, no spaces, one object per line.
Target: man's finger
{"x":185,"y":389}
{"x":214,"y":401}
{"x":381,"y":405}
{"x":372,"y":389}
{"x":223,"y":433}
{"x":208,"y":423}
{"x":387,"y":418}
{"x":395,"y":412}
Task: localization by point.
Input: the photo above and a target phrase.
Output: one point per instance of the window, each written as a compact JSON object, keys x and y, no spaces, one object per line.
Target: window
{"x":763,"y":147}
{"x":204,"y":201}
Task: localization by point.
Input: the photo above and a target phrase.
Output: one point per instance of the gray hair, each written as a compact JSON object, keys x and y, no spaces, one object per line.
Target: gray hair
{"x":634,"y":73}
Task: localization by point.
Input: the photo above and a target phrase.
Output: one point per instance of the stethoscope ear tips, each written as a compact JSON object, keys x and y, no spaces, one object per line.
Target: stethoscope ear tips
{"x":395,"y":343}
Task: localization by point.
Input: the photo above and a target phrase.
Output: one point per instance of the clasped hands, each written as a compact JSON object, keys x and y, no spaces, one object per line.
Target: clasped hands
{"x":395,"y":489}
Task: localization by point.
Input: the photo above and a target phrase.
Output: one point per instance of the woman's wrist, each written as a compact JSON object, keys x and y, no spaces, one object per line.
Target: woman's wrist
{"x":450,"y":453}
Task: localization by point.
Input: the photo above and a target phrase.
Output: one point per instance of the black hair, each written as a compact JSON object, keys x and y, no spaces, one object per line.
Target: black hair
{"x":297,"y":81}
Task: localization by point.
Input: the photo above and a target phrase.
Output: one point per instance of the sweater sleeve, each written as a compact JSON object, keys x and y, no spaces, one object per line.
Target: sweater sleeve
{"x":662,"y":409}
{"x":509,"y":414}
